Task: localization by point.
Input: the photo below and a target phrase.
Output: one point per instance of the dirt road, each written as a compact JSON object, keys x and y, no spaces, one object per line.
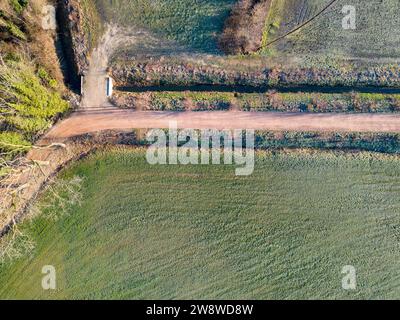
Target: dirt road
{"x":94,"y":83}
{"x":97,"y":115}
{"x":94,"y":120}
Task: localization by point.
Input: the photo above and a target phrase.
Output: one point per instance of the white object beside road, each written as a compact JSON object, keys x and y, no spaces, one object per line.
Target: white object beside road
{"x":109,"y":86}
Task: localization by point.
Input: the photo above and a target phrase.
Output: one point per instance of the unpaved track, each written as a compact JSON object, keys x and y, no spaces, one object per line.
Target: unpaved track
{"x":93,"y":120}
{"x":97,"y":115}
{"x":96,"y":120}
{"x":94,"y":85}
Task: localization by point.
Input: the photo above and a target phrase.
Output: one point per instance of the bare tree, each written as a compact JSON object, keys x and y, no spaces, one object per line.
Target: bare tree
{"x":62,"y":195}
{"x":17,"y":174}
{"x":15,"y":245}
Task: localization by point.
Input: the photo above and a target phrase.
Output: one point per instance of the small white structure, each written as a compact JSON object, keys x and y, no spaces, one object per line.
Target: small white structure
{"x":82,"y":84}
{"x":109,"y":86}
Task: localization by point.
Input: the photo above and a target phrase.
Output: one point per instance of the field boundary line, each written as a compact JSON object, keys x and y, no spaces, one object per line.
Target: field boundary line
{"x":330,"y":4}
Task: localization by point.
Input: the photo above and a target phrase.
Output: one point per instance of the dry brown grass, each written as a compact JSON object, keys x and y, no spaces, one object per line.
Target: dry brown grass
{"x":39,"y":45}
{"x":243,"y":30}
{"x":41,"y":42}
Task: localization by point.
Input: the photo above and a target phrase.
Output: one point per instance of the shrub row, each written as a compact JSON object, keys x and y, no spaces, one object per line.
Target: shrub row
{"x":270,"y":101}
{"x":352,"y":141}
{"x":376,"y":142}
{"x":251,"y":71}
{"x":317,"y":102}
{"x":189,"y":101}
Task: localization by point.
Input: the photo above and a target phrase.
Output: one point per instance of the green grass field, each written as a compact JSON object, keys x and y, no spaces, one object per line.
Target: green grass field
{"x":375,"y":36}
{"x":200,"y":232}
{"x":192,"y":23}
{"x":197,"y":24}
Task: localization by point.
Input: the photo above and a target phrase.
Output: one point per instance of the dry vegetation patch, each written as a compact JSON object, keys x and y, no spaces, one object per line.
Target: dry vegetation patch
{"x":243,"y":30}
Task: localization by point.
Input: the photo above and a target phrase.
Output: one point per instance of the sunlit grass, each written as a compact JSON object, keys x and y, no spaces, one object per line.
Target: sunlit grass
{"x":192,"y":23}
{"x":375,"y":36}
{"x":200,"y":232}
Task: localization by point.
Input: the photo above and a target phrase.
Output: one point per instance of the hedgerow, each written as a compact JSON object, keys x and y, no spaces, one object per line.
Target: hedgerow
{"x":270,"y":101}
{"x":376,"y":142}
